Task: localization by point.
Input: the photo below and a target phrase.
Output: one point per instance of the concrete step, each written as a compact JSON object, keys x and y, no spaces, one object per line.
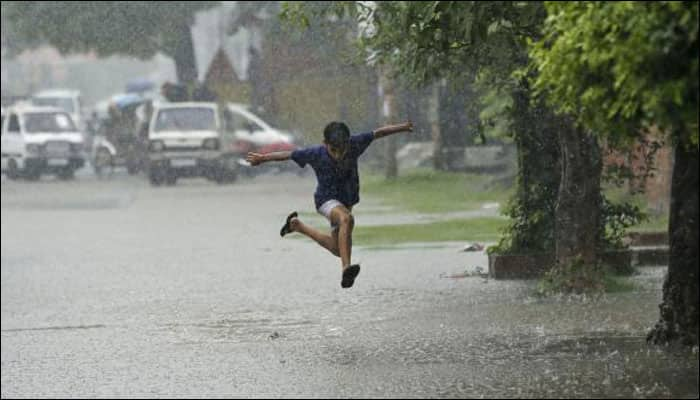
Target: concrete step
{"x":529,"y":266}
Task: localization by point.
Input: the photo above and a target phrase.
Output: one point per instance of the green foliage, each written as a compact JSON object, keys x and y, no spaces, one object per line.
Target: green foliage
{"x":531,"y":225}
{"x":621,"y":67}
{"x":581,"y":278}
{"x":138,"y":28}
{"x":617,"y":218}
{"x":575,"y":278}
{"x":496,"y":105}
{"x":531,"y":228}
{"x":532,"y":208}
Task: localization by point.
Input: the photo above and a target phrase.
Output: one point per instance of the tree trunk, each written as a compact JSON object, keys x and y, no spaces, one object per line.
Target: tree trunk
{"x":183,"y":54}
{"x":532,"y":211}
{"x":456,"y":128}
{"x":679,"y":308}
{"x":578,"y":203}
{"x":521,"y":107}
{"x":434,"y":120}
{"x":389,"y":117}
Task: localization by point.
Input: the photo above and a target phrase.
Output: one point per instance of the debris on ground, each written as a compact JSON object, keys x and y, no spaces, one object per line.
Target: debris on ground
{"x":474,"y":247}
{"x":476,"y":272}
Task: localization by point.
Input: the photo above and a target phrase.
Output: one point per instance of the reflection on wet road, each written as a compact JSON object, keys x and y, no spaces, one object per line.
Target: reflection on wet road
{"x":114,"y":288}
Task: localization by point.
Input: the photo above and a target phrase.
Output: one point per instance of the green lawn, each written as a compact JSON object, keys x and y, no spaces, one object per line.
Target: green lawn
{"x":654,"y":223}
{"x":474,"y":229}
{"x":428,"y":191}
{"x":484,"y":229}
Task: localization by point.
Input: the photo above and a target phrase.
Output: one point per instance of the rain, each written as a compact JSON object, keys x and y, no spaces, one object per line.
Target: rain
{"x":349,"y":199}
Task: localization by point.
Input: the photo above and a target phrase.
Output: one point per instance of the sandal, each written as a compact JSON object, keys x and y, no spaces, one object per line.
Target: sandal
{"x":349,"y":276}
{"x":287,"y":228}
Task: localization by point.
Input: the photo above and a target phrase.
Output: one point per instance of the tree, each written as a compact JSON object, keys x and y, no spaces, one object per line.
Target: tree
{"x":434,"y":40}
{"x":621,"y":68}
{"x":139,"y":28}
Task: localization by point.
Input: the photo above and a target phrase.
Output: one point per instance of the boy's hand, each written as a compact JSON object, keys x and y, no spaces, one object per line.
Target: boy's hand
{"x":409,"y":126}
{"x":254,"y":158}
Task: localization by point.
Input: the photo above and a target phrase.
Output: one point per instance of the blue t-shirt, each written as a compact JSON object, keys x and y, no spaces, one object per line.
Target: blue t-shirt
{"x":336,"y":180}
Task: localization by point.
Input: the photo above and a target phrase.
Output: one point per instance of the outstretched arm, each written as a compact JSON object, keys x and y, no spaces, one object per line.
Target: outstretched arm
{"x":257,"y":158}
{"x":391,"y":129}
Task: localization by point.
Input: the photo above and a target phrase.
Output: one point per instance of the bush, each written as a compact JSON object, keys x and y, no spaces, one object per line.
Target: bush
{"x":580,"y":278}
{"x":616,"y":219}
{"x":576,"y":277}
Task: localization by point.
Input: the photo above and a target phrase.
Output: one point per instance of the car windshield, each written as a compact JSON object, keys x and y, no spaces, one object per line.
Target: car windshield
{"x":60,"y":102}
{"x":48,"y":122}
{"x":185,"y":119}
{"x":237,"y":122}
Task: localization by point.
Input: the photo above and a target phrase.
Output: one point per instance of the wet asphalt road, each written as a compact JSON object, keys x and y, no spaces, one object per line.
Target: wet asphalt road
{"x":111,"y":288}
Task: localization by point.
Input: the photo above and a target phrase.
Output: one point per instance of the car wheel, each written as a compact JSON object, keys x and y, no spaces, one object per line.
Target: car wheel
{"x":156,"y":175}
{"x":132,"y":169}
{"x":103,"y":163}
{"x":12,"y":171}
{"x":32,"y":174}
{"x":225,"y":176}
{"x":133,"y":165}
{"x":170,"y":178}
{"x":66,"y":173}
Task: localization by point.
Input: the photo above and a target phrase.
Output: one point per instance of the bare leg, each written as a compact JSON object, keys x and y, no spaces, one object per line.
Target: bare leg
{"x":329,"y":242}
{"x":341,"y":217}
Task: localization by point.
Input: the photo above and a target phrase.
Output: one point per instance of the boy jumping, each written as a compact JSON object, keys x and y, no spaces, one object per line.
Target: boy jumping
{"x":338,"y":189}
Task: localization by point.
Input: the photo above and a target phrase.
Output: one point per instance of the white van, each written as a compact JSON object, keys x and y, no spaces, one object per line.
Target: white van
{"x":184,"y":139}
{"x":37,"y":140}
{"x":68,"y":100}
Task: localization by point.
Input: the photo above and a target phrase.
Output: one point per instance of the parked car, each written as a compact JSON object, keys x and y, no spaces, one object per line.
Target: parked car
{"x":184,"y":140}
{"x":38,"y":140}
{"x":68,"y":100}
{"x":244,"y":131}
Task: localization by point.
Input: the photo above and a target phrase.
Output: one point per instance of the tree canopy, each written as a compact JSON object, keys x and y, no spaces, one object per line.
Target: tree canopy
{"x":620,"y":67}
{"x":429,"y":40}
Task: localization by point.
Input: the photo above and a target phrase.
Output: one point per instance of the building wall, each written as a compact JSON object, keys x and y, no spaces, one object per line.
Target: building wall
{"x":657,"y":187}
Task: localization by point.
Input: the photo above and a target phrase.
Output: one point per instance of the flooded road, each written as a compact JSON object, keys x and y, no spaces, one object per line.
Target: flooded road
{"x":112,"y":288}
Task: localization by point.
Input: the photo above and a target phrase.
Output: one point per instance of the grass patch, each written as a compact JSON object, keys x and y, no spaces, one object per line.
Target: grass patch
{"x":481,"y":229}
{"x":417,"y":246}
{"x":655,"y":221}
{"x":428,"y":191}
{"x":616,"y":284}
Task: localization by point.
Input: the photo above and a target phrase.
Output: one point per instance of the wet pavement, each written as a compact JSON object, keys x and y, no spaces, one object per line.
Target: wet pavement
{"x":112,"y":288}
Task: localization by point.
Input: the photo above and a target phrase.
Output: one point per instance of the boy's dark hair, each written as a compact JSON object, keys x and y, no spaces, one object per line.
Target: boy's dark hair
{"x":336,"y":134}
